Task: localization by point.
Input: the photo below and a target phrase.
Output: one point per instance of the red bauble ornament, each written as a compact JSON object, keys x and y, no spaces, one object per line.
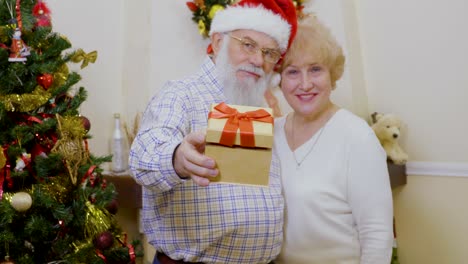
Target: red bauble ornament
{"x":113,"y":206}
{"x":104,"y":241}
{"x":86,"y":123}
{"x":45,"y":80}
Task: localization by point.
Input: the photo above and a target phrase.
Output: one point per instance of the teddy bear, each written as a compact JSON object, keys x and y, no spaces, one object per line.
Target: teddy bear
{"x":387,"y":130}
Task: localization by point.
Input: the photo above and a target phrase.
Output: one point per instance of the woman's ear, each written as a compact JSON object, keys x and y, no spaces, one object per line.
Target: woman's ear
{"x":216,"y":42}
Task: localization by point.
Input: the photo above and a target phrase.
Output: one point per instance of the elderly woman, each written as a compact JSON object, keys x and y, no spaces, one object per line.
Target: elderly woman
{"x":334,"y":171}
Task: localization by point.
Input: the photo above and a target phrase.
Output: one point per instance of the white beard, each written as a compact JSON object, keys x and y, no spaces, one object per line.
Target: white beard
{"x":241,"y":92}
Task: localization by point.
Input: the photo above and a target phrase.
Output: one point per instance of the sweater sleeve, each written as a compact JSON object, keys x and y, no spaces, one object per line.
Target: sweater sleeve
{"x":370,"y":198}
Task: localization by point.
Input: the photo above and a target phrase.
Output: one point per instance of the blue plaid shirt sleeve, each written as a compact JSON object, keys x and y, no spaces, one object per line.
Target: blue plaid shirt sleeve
{"x":162,"y":130}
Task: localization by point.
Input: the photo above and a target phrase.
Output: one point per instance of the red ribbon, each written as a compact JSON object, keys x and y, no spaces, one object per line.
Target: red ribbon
{"x":131,"y":249}
{"x":89,"y":174}
{"x":99,"y":253}
{"x":18,"y":14}
{"x":241,"y":121}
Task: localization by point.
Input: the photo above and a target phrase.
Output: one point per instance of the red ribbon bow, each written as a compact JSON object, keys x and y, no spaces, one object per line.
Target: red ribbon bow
{"x":242,"y":121}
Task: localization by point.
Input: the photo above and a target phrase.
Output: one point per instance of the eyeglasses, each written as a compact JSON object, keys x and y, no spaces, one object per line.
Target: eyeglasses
{"x":251,"y":47}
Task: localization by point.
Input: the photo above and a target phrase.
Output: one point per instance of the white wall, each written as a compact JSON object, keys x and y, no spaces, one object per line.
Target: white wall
{"x":137,"y":56}
{"x":96,"y":25}
{"x":416,"y":61}
{"x":177,"y":48}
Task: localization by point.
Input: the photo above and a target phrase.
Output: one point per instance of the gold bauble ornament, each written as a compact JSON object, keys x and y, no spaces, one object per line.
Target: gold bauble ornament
{"x":21,"y":201}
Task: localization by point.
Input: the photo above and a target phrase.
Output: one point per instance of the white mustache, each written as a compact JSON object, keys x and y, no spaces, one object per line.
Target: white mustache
{"x":257,"y":70}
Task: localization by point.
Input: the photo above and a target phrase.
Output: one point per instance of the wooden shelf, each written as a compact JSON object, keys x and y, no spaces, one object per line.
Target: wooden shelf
{"x":397,"y":174}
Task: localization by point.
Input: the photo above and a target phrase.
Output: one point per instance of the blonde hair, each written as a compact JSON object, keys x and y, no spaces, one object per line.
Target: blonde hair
{"x":314,"y":38}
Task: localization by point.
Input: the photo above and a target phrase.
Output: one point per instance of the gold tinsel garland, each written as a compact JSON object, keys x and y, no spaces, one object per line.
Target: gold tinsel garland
{"x":25,"y":102}
{"x":58,"y":188}
{"x":40,"y":96}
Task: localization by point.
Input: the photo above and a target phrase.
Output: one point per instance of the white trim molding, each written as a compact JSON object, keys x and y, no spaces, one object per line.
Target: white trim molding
{"x":452,"y":169}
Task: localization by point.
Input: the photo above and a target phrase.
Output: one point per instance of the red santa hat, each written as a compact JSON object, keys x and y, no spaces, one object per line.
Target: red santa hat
{"x":276,"y":18}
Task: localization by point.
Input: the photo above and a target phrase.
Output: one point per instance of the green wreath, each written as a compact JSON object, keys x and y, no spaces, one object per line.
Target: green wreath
{"x":203,"y":12}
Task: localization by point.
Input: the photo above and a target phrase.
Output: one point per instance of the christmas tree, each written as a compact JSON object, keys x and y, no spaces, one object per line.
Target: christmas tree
{"x":55,"y":205}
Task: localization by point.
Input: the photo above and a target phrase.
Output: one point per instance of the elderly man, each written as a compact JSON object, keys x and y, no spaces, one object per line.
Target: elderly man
{"x":185,"y":218}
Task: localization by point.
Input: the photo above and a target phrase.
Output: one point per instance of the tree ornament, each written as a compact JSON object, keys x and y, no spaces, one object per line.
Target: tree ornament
{"x":45,"y":80}
{"x":63,"y":97}
{"x":70,"y":144}
{"x":21,"y":201}
{"x":18,"y":49}
{"x":86,"y":58}
{"x":42,"y":14}
{"x":113,"y":206}
{"x":104,"y":240}
{"x":86,"y":123}
{"x":22,"y":161}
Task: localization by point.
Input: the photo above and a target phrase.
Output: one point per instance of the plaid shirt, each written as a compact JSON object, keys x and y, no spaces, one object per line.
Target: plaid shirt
{"x":221,"y":223}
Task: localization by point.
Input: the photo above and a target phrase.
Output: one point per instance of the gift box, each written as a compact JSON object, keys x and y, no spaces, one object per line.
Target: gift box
{"x":240,"y":139}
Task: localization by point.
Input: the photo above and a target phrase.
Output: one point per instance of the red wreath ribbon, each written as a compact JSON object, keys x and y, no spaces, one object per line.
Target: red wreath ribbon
{"x":239,"y":121}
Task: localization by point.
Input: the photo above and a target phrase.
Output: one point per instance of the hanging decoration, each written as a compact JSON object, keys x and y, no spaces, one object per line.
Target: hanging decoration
{"x":70,"y":144}
{"x":86,"y":58}
{"x":18,"y":49}
{"x":42,"y":14}
{"x":45,"y":80}
{"x":21,"y":201}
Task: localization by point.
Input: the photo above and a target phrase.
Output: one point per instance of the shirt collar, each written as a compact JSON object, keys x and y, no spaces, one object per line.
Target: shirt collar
{"x":210,"y":72}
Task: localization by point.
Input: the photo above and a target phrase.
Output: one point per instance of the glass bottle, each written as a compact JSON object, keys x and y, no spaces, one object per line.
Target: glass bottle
{"x":119,"y":147}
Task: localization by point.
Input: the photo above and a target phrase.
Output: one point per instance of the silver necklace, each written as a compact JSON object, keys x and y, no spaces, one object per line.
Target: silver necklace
{"x":299,"y":163}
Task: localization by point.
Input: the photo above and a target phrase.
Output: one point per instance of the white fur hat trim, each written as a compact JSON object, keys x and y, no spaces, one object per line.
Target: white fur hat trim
{"x":254,"y":18}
